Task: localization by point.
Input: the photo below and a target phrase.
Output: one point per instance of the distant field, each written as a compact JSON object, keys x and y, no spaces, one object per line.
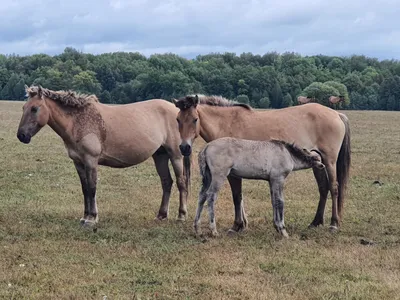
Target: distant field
{"x":45,"y":254}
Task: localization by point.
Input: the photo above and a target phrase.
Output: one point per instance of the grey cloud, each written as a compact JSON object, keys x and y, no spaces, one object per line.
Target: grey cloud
{"x":192,"y":27}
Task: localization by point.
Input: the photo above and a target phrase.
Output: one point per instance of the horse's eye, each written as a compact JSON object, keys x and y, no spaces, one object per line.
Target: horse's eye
{"x":34,"y":109}
{"x":195,"y":121}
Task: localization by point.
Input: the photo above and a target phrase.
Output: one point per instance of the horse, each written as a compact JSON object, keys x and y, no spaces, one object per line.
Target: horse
{"x":304,"y":100}
{"x":311,"y":126}
{"x":271,"y":160}
{"x":335,"y":99}
{"x":115,"y":136}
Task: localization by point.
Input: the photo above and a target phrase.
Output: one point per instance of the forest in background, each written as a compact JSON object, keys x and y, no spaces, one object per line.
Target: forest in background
{"x":270,"y":80}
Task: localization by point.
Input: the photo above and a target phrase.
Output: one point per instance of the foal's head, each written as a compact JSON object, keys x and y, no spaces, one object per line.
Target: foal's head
{"x":188,"y":122}
{"x":35,"y":115}
{"x":316,"y":160}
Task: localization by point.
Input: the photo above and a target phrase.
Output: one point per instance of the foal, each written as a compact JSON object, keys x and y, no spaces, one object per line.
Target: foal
{"x":267,"y":160}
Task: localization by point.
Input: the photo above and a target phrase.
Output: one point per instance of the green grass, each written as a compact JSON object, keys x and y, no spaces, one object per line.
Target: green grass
{"x":45,"y":254}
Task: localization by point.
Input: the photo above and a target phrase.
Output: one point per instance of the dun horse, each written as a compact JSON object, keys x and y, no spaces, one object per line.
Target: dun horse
{"x":266,"y":160}
{"x":310,"y":126}
{"x":115,"y":136}
{"x":304,"y":100}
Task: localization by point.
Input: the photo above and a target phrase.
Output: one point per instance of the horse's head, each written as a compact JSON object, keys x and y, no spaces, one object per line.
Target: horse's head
{"x":188,"y":122}
{"x":35,"y":114}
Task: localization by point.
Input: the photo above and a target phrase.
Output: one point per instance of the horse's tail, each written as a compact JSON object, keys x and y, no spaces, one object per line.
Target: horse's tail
{"x":186,"y":172}
{"x":343,"y":164}
{"x":204,"y":169}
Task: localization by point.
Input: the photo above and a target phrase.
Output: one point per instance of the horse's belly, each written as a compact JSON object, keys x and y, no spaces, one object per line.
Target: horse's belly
{"x":125,"y":160}
{"x":250,"y":173}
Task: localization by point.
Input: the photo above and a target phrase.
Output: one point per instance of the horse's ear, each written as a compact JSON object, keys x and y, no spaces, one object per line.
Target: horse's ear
{"x":196,"y":101}
{"x":40,"y":91}
{"x":174,"y":101}
{"x":26,"y":88}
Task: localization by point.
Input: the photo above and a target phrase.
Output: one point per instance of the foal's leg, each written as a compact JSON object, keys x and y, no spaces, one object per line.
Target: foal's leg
{"x":240,"y":215}
{"x":177,"y":165}
{"x":161,"y":162}
{"x":200,"y":205}
{"x":333,"y":186}
{"x":80,"y":168}
{"x":276,"y":190}
{"x":323,"y":186}
{"x":215,"y":186}
{"x":91,"y":177}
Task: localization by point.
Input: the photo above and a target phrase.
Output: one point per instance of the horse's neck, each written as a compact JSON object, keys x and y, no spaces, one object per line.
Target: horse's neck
{"x":59,"y":121}
{"x":299,"y":164}
{"x":211,"y":117}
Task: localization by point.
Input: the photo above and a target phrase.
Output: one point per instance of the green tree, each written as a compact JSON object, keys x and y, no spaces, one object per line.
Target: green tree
{"x":243,"y":99}
{"x":287,"y":100}
{"x":264,"y":102}
{"x":86,"y":82}
{"x":276,"y":96}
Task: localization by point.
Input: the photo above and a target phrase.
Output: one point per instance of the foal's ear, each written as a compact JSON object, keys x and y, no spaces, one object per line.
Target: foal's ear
{"x":174,"y":101}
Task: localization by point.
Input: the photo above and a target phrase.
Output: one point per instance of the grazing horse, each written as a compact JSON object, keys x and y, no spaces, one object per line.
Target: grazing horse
{"x":336,"y":100}
{"x":311,"y":126}
{"x":304,"y":100}
{"x":263,"y":160}
{"x":114,"y":136}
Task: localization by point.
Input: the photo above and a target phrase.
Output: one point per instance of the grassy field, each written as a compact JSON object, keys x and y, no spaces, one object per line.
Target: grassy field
{"x":45,"y":254}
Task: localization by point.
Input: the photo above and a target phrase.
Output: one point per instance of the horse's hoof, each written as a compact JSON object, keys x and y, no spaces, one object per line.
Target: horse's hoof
{"x":315,"y":225}
{"x":181,"y":218}
{"x":284,"y":233}
{"x":82,"y":221}
{"x":90,"y":224}
{"x":214,"y":233}
{"x":161,"y":218}
{"x":333,"y":228}
{"x":232,"y":232}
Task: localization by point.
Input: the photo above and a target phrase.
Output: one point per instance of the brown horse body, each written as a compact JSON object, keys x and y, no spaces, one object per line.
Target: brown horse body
{"x":310,"y":126}
{"x":115,"y":136}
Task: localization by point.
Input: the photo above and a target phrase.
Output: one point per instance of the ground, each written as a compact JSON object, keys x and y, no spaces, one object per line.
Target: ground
{"x":45,"y":254}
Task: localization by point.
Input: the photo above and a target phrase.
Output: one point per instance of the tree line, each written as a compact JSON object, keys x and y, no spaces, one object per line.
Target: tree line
{"x":270,"y":80}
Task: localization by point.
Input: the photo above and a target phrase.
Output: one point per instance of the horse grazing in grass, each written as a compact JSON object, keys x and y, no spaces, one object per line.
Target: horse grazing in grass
{"x":267,"y":160}
{"x":115,"y":136}
{"x":304,"y":100}
{"x":310,"y":126}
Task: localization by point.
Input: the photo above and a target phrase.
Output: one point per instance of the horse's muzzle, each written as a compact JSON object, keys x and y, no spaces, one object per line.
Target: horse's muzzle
{"x":186,"y":150}
{"x":24,"y":138}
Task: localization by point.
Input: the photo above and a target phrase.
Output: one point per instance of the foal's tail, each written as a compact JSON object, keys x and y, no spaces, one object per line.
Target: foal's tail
{"x":204,"y":170}
{"x":186,"y":171}
{"x":343,"y":164}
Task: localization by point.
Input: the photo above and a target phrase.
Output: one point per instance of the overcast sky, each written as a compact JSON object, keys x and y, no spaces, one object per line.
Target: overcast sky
{"x":192,"y":27}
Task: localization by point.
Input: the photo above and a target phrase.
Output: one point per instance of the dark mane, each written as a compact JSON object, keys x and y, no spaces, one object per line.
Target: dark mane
{"x":65,"y":98}
{"x":190,"y":100}
{"x":297,"y":152}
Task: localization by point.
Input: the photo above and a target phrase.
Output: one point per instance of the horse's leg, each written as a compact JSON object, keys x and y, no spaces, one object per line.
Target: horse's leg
{"x":177,"y":165}
{"x":240,"y":215}
{"x":161,"y":162}
{"x":323,"y":187}
{"x":333,"y":186}
{"x":200,"y":205}
{"x":91,"y":177}
{"x":276,"y":190}
{"x":80,"y":168}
